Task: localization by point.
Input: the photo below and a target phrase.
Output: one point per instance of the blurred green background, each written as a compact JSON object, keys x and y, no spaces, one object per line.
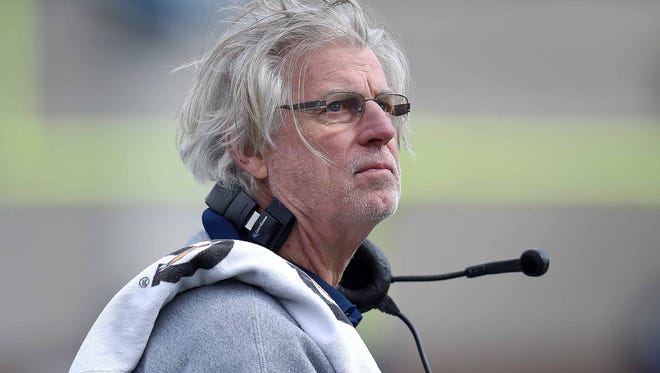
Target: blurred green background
{"x":532,"y":124}
{"x":66,"y":159}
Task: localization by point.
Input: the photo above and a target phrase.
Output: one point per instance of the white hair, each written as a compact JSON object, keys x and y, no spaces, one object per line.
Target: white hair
{"x":233,"y":104}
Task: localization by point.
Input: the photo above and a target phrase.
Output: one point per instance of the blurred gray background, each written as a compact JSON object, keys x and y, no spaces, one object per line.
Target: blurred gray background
{"x":597,"y":308}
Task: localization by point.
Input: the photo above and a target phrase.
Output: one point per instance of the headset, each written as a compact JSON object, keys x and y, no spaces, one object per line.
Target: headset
{"x":269,"y":228}
{"x":368,"y":276}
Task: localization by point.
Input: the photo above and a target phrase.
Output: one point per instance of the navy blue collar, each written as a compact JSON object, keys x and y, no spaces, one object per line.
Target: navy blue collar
{"x":350,"y":310}
{"x":218,"y":227}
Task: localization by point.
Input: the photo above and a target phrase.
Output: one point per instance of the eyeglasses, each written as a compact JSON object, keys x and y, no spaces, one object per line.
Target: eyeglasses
{"x":347,"y":107}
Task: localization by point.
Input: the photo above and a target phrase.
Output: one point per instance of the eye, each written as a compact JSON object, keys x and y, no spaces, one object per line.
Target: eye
{"x":386,"y":105}
{"x":343,"y":107}
{"x":335,"y":106}
{"x":393,"y":104}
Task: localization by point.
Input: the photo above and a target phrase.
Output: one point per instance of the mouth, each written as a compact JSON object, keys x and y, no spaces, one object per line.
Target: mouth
{"x":375,"y":167}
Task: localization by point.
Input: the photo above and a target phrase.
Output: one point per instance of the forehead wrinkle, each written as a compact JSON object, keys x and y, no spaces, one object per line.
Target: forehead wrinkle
{"x":335,"y":79}
{"x":347,"y":74}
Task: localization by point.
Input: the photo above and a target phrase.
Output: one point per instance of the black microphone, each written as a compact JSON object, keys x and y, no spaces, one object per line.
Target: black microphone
{"x":533,"y":262}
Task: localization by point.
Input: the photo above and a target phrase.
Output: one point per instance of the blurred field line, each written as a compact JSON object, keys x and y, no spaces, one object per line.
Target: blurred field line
{"x":457,"y":161}
{"x":547,"y":161}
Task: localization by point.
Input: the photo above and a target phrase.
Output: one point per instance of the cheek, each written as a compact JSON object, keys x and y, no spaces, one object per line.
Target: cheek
{"x":292,"y":156}
{"x":291,"y":165}
{"x":334,"y":143}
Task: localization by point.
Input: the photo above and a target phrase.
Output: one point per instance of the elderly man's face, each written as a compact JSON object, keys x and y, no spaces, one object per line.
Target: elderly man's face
{"x":361,"y":182}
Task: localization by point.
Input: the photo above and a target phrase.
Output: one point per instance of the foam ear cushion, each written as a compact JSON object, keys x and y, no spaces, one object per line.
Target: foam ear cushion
{"x":367,"y":278}
{"x":534,"y":262}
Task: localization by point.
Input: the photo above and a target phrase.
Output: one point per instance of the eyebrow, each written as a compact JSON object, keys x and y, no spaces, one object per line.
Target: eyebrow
{"x":340,"y":90}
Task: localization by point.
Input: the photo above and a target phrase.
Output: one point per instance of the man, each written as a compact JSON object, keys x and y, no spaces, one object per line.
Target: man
{"x":300,"y":107}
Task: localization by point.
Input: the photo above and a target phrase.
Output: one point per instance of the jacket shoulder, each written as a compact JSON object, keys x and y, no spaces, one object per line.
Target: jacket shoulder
{"x":229,"y":325}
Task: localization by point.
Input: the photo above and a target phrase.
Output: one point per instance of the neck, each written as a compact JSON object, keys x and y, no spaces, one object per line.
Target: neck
{"x":319,"y":243}
{"x":325,"y":256}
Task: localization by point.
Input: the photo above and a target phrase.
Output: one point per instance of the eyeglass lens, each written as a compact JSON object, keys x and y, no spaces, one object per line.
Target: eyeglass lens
{"x":346,"y":107}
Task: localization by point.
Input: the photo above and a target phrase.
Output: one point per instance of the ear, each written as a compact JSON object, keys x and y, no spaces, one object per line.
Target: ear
{"x":250,"y":162}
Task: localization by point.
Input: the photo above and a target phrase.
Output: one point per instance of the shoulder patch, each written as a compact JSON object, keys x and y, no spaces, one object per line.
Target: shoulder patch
{"x":205,"y":259}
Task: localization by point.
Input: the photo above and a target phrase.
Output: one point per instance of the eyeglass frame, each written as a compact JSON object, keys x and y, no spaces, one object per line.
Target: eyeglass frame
{"x":323,"y":104}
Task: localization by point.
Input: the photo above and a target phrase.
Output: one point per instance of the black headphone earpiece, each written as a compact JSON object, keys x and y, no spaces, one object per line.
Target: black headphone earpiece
{"x":367,"y":277}
{"x":269,"y":228}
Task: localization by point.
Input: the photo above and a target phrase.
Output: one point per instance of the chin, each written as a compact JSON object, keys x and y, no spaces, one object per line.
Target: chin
{"x":380,"y":215}
{"x":376,"y":208}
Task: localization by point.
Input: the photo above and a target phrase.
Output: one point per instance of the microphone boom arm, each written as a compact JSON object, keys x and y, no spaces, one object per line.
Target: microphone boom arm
{"x":428,"y":278}
{"x":532,"y":262}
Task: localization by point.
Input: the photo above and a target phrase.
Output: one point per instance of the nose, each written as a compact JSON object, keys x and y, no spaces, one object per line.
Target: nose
{"x":375,"y":126}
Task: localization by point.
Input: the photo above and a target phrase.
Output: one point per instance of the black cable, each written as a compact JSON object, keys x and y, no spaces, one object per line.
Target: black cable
{"x":422,"y":355}
{"x":445,"y":276}
{"x":389,"y":307}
